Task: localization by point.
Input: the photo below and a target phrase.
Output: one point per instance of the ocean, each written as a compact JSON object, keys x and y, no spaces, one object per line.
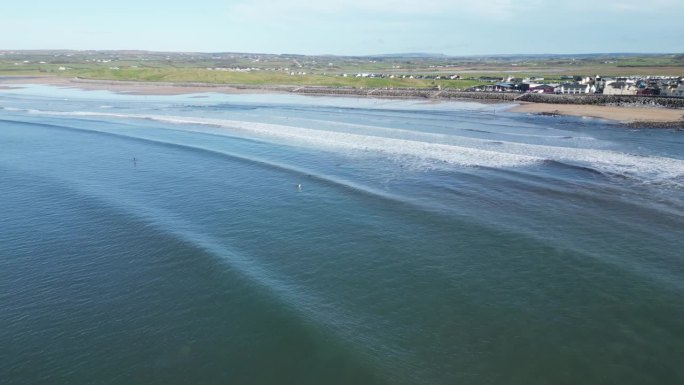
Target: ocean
{"x":284,"y":239}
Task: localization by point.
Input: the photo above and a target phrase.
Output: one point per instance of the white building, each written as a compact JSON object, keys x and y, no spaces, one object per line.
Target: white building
{"x":573,"y":89}
{"x":620,"y":88}
{"x":600,"y":82}
{"x":587,"y":80}
{"x":673,"y":91}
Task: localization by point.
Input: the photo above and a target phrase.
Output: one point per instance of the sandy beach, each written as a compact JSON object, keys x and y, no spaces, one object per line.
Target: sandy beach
{"x":620,"y":114}
{"x":627,"y":115}
{"x":138,"y":88}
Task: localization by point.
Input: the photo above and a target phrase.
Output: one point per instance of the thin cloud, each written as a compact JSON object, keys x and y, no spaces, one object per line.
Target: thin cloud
{"x":270,"y":9}
{"x":490,"y":10}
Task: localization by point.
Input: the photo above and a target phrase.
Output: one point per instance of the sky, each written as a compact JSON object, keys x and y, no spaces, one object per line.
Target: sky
{"x":348,"y":27}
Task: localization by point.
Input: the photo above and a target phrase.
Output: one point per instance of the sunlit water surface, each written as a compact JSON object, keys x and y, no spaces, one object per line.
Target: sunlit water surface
{"x":165,"y":240}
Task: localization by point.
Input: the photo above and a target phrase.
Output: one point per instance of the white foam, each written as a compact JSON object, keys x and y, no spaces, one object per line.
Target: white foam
{"x":449,"y":153}
{"x":458,"y":155}
{"x":464,"y":151}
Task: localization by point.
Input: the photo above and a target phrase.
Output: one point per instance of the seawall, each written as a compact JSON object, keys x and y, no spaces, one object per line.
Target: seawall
{"x":406,"y":93}
{"x":604,"y":100}
{"x":422,"y":93}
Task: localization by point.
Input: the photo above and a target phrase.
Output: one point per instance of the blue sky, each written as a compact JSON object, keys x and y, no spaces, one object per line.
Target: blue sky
{"x":455,"y":27}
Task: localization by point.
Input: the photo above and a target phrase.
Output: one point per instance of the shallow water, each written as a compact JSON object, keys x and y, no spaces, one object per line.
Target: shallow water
{"x":429,"y":244}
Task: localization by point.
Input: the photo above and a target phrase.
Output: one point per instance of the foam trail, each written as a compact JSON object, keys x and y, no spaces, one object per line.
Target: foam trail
{"x":466,"y":152}
{"x":298,"y":171}
{"x":457,"y":155}
{"x":432,"y":135}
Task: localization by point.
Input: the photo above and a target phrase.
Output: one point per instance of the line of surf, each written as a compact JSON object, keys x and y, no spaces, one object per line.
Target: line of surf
{"x":461,"y":151}
{"x":298,"y":172}
{"x":331,"y":140}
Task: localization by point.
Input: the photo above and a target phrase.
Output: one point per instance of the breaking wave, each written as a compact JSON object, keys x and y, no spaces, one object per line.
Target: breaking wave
{"x":440,"y":148}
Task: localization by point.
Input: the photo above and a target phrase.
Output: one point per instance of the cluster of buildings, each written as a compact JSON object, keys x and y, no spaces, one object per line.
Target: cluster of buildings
{"x":569,"y":85}
{"x":398,"y":76}
{"x":632,"y":85}
{"x":245,"y":69}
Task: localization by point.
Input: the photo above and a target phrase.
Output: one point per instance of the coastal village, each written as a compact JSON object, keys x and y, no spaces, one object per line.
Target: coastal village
{"x":663,"y":86}
{"x":531,"y":78}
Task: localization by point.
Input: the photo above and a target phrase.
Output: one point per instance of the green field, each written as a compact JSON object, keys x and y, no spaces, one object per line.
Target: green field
{"x":200,"y":75}
{"x":324,"y":71}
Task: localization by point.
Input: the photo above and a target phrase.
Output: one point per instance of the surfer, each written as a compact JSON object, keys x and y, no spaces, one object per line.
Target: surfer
{"x":299,"y":187}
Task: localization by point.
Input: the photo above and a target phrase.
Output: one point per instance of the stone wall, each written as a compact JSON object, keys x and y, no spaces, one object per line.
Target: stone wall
{"x":406,"y":93}
{"x":605,"y":100}
{"x":412,"y":93}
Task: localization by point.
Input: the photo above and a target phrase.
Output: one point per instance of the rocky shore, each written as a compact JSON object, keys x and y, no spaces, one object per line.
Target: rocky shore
{"x":399,"y":93}
{"x":604,"y":100}
{"x":407,"y":93}
{"x":589,"y":100}
{"x":678,"y":126}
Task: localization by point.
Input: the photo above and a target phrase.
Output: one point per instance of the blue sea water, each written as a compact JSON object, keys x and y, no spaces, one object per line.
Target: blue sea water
{"x":164,"y":240}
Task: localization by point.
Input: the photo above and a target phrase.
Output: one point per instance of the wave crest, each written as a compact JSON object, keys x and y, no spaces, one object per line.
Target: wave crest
{"x":461,"y":151}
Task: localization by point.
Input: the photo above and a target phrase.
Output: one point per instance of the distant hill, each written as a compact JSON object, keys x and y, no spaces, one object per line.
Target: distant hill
{"x":410,"y":55}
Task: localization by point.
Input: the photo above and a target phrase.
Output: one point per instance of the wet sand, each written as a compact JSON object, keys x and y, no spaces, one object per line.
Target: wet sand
{"x":628,"y":115}
{"x":138,"y":88}
{"x":620,"y":114}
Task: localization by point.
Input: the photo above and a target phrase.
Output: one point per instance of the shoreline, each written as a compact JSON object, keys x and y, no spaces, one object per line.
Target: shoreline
{"x":635,"y":116}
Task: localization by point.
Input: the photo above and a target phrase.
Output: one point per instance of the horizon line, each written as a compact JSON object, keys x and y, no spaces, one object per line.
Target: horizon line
{"x":390,"y":54}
